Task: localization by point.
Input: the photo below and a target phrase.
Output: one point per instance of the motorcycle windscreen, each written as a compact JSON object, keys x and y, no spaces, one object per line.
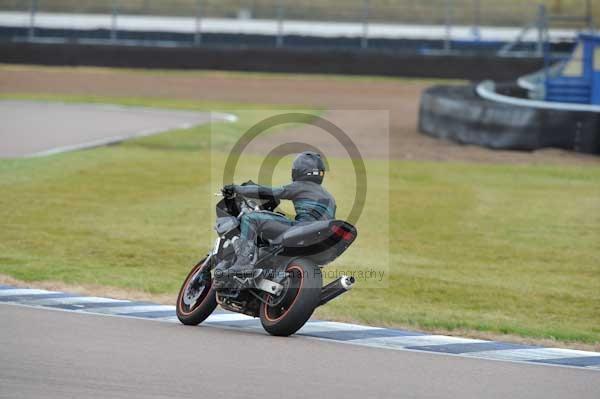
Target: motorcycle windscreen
{"x":226,"y":208}
{"x":321,"y":241}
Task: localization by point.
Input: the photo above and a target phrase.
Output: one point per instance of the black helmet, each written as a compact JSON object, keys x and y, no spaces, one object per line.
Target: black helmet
{"x":308,"y":166}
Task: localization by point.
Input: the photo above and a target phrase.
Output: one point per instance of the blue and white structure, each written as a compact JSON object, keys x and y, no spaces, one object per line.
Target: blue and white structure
{"x":576,"y":80}
{"x":558,"y":107}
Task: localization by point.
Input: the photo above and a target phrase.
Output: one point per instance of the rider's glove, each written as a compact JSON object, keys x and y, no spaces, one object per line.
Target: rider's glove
{"x":228,"y":190}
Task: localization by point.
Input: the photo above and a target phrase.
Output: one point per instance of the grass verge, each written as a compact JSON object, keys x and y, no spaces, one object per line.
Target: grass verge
{"x":229,"y":74}
{"x":476,"y":249}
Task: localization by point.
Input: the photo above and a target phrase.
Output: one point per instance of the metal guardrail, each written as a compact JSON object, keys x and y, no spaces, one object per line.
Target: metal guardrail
{"x":451,"y":17}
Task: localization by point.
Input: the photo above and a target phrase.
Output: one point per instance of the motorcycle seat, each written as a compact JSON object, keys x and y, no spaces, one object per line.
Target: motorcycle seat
{"x":298,"y":232}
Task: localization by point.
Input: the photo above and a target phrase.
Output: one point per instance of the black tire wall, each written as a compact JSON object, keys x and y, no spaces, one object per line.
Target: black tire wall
{"x":271,"y":59}
{"x":457,"y":113}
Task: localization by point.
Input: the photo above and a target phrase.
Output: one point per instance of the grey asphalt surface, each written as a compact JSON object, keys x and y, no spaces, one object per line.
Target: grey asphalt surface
{"x":52,"y":354}
{"x":29,"y":128}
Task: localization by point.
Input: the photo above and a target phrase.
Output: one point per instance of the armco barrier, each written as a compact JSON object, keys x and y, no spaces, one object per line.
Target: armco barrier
{"x":295,"y":60}
{"x":145,"y":37}
{"x":459,"y":114}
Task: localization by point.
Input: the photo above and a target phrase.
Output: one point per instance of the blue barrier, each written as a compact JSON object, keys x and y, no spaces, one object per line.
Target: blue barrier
{"x":578,"y":80}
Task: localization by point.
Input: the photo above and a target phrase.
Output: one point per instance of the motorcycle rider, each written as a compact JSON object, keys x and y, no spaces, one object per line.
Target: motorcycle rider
{"x":311,"y":202}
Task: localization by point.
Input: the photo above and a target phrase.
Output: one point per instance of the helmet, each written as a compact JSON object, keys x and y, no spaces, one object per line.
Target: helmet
{"x":308,"y":166}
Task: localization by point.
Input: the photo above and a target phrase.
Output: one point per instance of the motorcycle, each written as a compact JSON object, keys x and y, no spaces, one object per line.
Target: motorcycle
{"x":287,"y":283}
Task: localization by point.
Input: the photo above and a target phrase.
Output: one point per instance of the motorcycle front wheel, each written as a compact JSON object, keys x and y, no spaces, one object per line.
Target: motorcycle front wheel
{"x":287,"y":313}
{"x":197,"y":299}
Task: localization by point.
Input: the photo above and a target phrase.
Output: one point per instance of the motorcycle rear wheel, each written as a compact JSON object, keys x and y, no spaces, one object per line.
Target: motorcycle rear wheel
{"x":301,"y":297}
{"x":204,"y":299}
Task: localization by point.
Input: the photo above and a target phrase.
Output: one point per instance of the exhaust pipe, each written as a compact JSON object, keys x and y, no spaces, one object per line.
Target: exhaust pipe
{"x":336,"y":288}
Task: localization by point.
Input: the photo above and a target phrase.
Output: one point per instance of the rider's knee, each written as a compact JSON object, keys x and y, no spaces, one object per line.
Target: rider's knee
{"x":250,"y":218}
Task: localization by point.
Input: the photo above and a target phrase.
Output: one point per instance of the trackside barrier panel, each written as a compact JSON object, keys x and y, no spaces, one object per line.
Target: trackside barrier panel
{"x":457,"y":113}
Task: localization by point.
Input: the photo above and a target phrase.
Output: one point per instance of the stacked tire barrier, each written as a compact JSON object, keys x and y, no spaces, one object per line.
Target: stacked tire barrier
{"x":457,"y":113}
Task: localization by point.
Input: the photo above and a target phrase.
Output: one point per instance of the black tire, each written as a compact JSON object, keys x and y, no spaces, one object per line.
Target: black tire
{"x":204,"y":305}
{"x":299,"y":302}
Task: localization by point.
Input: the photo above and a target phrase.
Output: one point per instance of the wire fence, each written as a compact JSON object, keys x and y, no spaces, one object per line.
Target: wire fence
{"x":424,"y":12}
{"x":357,"y":18}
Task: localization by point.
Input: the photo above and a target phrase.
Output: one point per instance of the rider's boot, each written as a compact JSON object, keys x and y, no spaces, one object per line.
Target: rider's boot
{"x":220,"y":271}
{"x":244,"y":264}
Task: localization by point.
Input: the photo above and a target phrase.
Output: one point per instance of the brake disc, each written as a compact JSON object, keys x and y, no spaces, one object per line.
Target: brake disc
{"x":193,"y":291}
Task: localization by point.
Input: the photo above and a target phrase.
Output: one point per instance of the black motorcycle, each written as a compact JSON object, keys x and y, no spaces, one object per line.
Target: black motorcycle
{"x":287,"y":284}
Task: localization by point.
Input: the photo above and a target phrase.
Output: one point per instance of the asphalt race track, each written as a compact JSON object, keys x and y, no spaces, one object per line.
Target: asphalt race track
{"x":43,"y":128}
{"x":56,"y":354}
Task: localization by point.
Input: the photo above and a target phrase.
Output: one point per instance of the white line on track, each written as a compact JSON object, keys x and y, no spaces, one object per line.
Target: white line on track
{"x":24,"y":291}
{"x":419,"y":340}
{"x":531,"y":354}
{"x":215,"y":116}
{"x":326,"y":326}
{"x":124,"y":310}
{"x":73,"y":301}
{"x":223,"y":317}
{"x":42,"y":128}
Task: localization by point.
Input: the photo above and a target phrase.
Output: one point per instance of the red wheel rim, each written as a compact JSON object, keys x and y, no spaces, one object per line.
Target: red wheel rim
{"x":275,"y":313}
{"x":181,"y":305}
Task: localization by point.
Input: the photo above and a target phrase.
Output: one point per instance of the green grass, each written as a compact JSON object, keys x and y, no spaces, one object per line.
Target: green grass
{"x":218,"y":74}
{"x":507,"y":249}
{"x":494,"y":248}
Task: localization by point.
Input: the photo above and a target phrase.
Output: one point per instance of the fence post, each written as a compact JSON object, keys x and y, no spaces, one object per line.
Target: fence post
{"x":113,"y":24}
{"x":448,"y":23}
{"x":32,"y":12}
{"x":280,"y":16}
{"x":477,"y":19}
{"x":364,"y":41}
{"x":589,"y":13}
{"x":198,"y":29}
{"x":541,"y":29}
